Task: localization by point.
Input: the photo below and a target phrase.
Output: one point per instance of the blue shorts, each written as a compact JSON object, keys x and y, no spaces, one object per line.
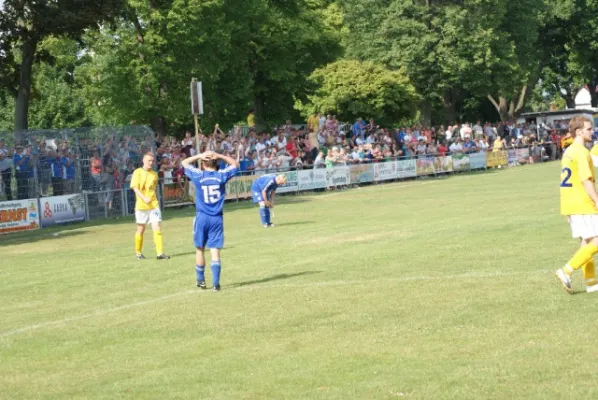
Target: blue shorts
{"x":256,"y":195}
{"x":208,"y":231}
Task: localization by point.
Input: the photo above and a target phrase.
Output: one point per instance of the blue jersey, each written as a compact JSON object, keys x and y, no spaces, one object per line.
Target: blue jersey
{"x":265,"y":183}
{"x":210,"y":188}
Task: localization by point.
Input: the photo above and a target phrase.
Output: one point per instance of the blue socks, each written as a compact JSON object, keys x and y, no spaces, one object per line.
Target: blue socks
{"x":199,"y":271}
{"x":263,"y":214}
{"x":267,"y":215}
{"x":216,"y":273}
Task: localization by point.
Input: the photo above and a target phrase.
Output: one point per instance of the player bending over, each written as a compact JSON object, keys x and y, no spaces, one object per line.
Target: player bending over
{"x":147,"y":209}
{"x":208,"y":227}
{"x":263,"y":191}
{"x":579,"y":203}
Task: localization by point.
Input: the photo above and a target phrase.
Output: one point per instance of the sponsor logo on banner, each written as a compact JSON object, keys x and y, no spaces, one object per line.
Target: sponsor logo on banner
{"x":62,"y":209}
{"x":338,"y":176}
{"x":424,"y":166}
{"x":291,"y":185}
{"x":511,"y":156}
{"x":361,"y":173}
{"x":443,"y":164}
{"x":496,"y":158}
{"x":18,"y":215}
{"x":460,"y":162}
{"x":240,"y":187}
{"x":477,"y":160}
{"x":312,"y":179}
{"x":522,"y":155}
{"x":406,"y":169}
{"x":385,"y":170}
{"x":172,"y":193}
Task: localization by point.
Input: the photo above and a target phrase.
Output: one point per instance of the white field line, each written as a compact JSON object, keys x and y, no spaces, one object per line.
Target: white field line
{"x":469,"y":275}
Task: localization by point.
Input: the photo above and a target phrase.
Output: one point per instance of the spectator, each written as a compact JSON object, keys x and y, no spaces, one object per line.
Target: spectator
{"x":5,"y":170}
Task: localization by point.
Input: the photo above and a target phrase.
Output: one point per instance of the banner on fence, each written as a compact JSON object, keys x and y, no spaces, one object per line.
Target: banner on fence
{"x":173,"y":193}
{"x":406,"y":169}
{"x":461,"y":162}
{"x":292,"y":185}
{"x":58,"y":210}
{"x":443,"y":164}
{"x":511,"y":156}
{"x":18,"y":215}
{"x":240,"y":187}
{"x":477,"y":160}
{"x":385,"y":170}
{"x":361,"y":173}
{"x":338,"y":176}
{"x":522,"y":155}
{"x":496,"y":158}
{"x":424,"y":166}
{"x":310,"y":179}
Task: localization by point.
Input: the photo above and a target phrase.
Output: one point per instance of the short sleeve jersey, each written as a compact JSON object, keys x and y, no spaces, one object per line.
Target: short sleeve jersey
{"x":576,"y":167}
{"x":146,"y":182}
{"x":210,"y":188}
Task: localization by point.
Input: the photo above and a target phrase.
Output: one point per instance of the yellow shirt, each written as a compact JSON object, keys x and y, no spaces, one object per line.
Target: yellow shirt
{"x":251,"y":120}
{"x":576,"y":167}
{"x":313,"y":123}
{"x":147,"y":182}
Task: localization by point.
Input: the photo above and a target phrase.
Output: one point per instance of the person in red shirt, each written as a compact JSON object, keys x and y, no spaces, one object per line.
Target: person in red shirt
{"x":442,"y":149}
{"x":291,"y":148}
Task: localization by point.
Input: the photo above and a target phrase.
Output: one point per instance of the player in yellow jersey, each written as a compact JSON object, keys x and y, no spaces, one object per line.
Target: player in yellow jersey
{"x":579,"y":203}
{"x":147,"y":209}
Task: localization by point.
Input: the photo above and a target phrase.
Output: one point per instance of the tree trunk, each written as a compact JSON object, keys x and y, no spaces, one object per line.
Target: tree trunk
{"x":159,"y":125}
{"x":450,"y":106}
{"x":425,"y":116}
{"x":258,"y":106}
{"x":24,"y":92}
{"x":501,"y":107}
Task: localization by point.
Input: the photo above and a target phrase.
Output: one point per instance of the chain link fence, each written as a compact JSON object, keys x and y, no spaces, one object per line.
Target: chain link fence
{"x":97,"y":162}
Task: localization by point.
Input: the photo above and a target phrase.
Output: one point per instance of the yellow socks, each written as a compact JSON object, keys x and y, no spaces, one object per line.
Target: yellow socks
{"x":589,"y":273}
{"x":581,"y":257}
{"x":160,"y":242}
{"x":138,"y":243}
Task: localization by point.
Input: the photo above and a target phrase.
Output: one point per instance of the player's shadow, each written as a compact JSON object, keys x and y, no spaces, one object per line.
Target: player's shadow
{"x":295,"y":223}
{"x":273,"y":278}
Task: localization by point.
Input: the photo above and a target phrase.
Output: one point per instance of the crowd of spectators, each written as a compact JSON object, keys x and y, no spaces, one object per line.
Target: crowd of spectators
{"x":43,"y":167}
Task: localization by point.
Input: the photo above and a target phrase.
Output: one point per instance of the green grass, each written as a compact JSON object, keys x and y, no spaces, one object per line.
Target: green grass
{"x":427,"y":289}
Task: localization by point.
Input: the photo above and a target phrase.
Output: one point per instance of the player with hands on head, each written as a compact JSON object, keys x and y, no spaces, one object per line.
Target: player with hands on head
{"x":208,"y":225}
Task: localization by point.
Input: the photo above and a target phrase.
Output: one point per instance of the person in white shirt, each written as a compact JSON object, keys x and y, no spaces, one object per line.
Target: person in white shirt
{"x":456,"y":147}
{"x":284,"y":160}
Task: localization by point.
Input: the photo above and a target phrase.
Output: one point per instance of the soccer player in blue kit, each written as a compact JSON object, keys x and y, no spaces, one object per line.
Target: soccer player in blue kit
{"x":208,"y":227}
{"x":263,"y":191}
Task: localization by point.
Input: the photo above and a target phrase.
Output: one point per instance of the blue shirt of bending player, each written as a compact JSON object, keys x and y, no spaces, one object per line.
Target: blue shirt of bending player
{"x":210,"y":188}
{"x":265,"y":183}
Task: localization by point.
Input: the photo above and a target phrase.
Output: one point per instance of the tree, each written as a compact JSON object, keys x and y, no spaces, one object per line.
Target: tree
{"x":352,"y":89}
{"x":25,"y":23}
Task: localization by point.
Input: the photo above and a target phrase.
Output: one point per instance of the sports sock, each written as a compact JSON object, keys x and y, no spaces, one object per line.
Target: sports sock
{"x":581,"y":256}
{"x":159,"y":241}
{"x":267,"y":216}
{"x":215,"y":273}
{"x":199,"y":272}
{"x":263,"y":215}
{"x":138,"y":242}
{"x":589,"y":273}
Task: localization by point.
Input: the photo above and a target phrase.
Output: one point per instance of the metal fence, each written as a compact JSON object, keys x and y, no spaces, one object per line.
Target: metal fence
{"x":93,"y":161}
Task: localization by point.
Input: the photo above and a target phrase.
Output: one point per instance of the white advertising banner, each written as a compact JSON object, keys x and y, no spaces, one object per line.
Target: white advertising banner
{"x":309,"y":179}
{"x":62,"y":209}
{"x":18,"y":215}
{"x":406,"y":169}
{"x":291,"y":185}
{"x":385,"y":170}
{"x":338,"y":176}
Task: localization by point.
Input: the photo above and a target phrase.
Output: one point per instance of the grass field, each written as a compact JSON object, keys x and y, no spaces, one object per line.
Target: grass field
{"x":427,"y":289}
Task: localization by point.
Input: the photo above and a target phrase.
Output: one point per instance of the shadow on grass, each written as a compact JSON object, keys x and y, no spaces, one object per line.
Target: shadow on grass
{"x":273,"y":278}
{"x":294,"y":223}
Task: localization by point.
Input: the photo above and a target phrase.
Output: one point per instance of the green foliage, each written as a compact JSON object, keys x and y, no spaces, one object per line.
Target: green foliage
{"x":351,"y":89}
